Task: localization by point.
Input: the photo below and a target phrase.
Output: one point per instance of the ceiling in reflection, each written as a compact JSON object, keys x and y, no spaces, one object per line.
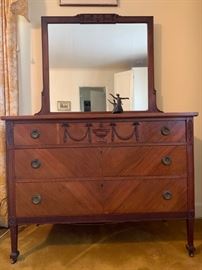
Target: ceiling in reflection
{"x":97,"y":45}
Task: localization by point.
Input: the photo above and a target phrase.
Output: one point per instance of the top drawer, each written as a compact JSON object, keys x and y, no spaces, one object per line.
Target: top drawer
{"x":162,"y":131}
{"x":36,"y":133}
{"x":129,"y":132}
{"x":104,"y":132}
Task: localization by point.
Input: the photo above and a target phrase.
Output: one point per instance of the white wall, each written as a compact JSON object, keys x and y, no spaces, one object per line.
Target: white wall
{"x":24,"y":66}
{"x":178,"y":57}
{"x":133,"y":83}
{"x":65,"y":83}
{"x":140,"y":79}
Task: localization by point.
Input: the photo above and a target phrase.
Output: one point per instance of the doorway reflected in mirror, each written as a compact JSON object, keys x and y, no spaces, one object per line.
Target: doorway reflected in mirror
{"x":92,"y":99}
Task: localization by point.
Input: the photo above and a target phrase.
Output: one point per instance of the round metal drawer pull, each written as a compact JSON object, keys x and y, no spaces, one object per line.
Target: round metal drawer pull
{"x":165,"y":131}
{"x":36,"y":199}
{"x":35,"y":134}
{"x":166,"y":160}
{"x":36,"y":163}
{"x":167,"y":195}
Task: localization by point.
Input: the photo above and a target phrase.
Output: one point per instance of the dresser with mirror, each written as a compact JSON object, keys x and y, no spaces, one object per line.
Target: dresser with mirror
{"x":77,"y":162}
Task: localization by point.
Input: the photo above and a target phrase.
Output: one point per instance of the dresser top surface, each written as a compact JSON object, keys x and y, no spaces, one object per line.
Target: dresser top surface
{"x":99,"y":115}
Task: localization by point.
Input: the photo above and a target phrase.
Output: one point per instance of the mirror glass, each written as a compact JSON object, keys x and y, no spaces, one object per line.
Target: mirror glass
{"x":88,"y":62}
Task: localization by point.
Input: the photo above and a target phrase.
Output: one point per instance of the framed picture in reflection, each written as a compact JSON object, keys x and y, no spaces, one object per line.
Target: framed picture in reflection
{"x":89,"y":2}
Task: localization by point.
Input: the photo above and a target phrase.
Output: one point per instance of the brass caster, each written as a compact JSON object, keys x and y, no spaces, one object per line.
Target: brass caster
{"x":14,"y":257}
{"x":191,"y":250}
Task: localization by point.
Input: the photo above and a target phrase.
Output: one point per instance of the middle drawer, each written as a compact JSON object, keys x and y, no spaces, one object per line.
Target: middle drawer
{"x":57,"y":163}
{"x":100,"y":162}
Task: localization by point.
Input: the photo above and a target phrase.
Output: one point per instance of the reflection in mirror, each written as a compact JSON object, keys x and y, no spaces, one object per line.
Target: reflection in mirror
{"x":87,"y":62}
{"x":92,"y":99}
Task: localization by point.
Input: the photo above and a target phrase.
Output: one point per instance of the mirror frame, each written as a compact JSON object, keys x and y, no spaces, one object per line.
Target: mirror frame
{"x":96,"y":19}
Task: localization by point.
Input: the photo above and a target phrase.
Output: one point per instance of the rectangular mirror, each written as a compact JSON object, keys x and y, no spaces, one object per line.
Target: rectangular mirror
{"x":109,"y":56}
{"x":88,"y":57}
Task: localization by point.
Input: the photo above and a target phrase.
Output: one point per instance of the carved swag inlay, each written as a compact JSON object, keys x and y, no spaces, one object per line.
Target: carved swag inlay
{"x":100,"y":133}
{"x":134,"y":133}
{"x":67,"y":134}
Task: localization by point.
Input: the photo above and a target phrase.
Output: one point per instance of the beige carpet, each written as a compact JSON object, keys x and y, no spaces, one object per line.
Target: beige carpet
{"x":134,"y":246}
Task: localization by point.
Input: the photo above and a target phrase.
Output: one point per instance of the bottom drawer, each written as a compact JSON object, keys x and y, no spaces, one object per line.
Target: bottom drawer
{"x":77,"y":198}
{"x":146,"y":196}
{"x":58,"y":199}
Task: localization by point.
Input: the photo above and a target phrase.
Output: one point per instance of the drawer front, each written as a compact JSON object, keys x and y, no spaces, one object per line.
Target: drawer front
{"x":145,"y":161}
{"x":57,"y":163}
{"x":103,"y":162}
{"x":95,"y":197}
{"x":99,"y":132}
{"x":123,"y":132}
{"x":58,"y":199}
{"x":36,"y":134}
{"x":149,"y":131}
{"x":147,"y":196}
{"x":162,"y":131}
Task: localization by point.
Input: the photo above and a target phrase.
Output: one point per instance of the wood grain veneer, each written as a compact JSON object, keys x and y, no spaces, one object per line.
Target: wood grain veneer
{"x":100,"y":168}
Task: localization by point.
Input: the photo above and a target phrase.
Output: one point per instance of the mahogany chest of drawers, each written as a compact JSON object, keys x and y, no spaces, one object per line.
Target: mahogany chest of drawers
{"x":100,"y":167}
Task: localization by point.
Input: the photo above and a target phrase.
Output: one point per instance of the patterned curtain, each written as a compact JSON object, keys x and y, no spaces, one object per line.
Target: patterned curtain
{"x":9,"y":9}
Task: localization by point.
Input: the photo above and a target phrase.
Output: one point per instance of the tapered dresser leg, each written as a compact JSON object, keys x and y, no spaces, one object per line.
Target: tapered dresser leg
{"x":14,"y":243}
{"x":190,"y":237}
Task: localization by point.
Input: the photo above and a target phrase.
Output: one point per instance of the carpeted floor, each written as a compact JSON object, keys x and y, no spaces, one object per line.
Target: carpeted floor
{"x":133,"y":246}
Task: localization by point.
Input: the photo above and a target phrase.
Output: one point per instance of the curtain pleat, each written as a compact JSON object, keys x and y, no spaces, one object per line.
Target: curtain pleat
{"x":9,"y":9}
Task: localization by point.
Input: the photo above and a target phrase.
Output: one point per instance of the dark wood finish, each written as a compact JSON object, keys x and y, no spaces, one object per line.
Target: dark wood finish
{"x":107,"y":162}
{"x":14,"y":243}
{"x":58,"y":163}
{"x":47,"y":134}
{"x":76,"y":198}
{"x":72,"y":198}
{"x":100,"y":167}
{"x":136,"y":196}
{"x":96,"y":19}
{"x":144,"y":161}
